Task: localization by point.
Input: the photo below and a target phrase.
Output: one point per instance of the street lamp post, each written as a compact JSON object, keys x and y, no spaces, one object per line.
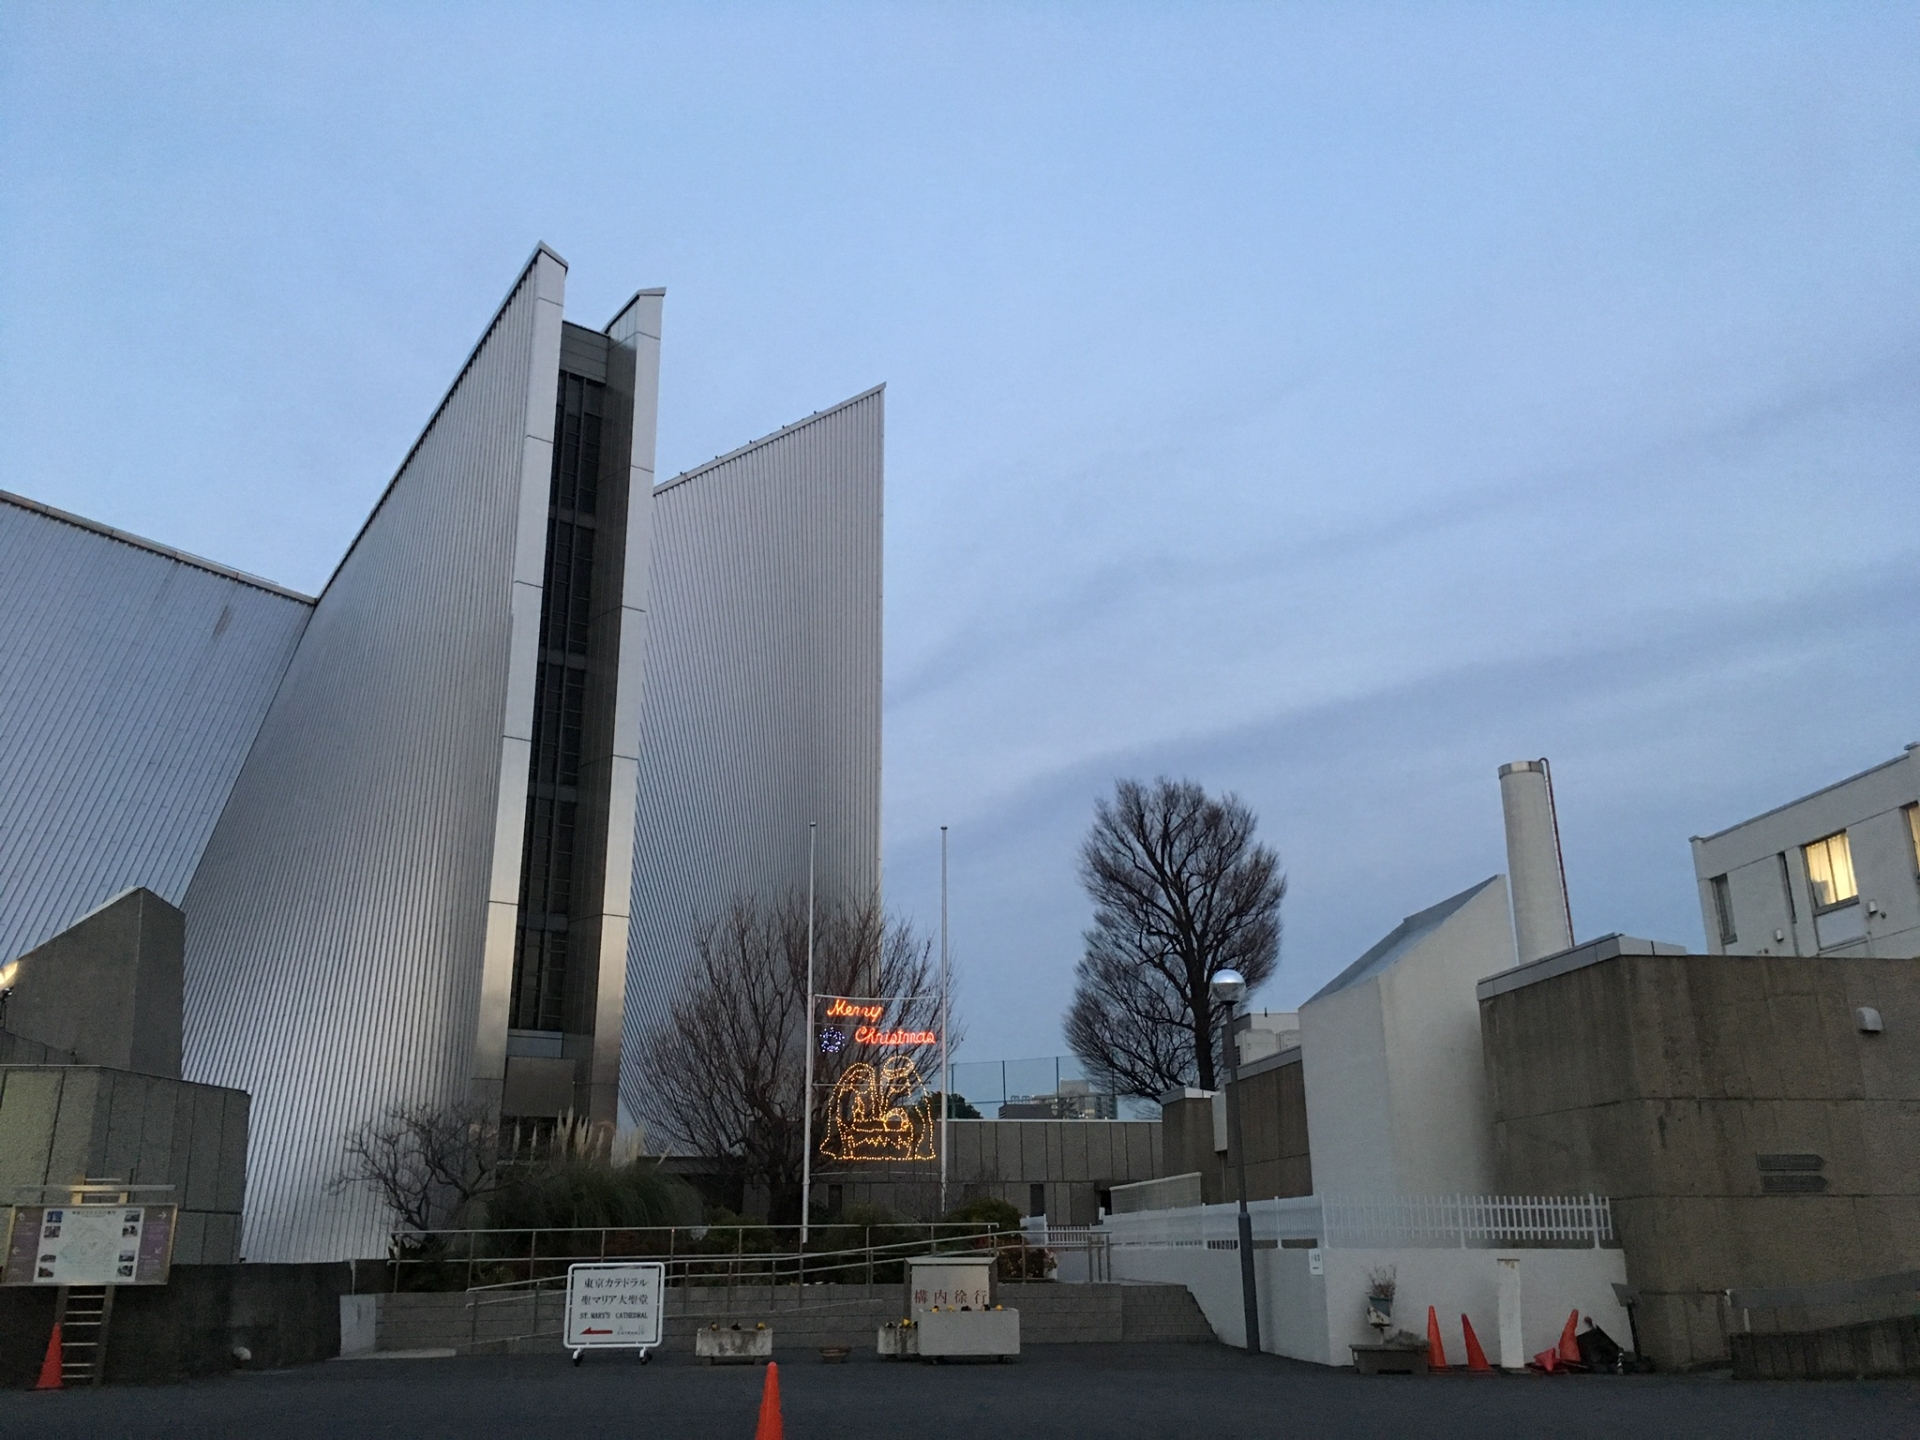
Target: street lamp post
{"x":1229,"y":987}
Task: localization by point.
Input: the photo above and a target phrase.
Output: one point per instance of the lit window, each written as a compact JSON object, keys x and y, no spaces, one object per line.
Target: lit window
{"x":1913,"y":832}
{"x":1722,"y":908}
{"x":1830,"y":871}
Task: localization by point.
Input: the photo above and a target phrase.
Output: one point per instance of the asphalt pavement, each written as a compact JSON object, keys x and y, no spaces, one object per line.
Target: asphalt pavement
{"x":1051,"y":1391}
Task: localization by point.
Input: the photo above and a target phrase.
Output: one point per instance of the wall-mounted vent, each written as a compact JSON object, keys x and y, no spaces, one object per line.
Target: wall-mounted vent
{"x":1791,"y":1174}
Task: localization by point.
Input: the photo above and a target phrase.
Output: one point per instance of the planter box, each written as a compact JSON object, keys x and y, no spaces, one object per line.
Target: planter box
{"x":1388,"y":1360}
{"x":969,"y":1332}
{"x":733,"y":1347}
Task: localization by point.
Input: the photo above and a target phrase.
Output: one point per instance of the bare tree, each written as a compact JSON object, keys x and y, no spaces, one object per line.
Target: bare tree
{"x":429,"y":1164}
{"x":1180,"y":891}
{"x":726,"y":1070}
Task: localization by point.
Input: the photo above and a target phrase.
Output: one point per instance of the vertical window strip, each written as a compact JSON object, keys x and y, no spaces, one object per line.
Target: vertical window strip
{"x":547,"y":864}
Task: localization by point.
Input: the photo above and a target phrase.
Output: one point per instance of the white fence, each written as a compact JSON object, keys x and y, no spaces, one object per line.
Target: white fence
{"x":1342,"y":1222}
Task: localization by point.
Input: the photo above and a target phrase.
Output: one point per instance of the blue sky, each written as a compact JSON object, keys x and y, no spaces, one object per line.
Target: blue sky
{"x":1324,"y":403}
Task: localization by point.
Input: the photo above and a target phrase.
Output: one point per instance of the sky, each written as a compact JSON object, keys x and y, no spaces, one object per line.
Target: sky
{"x":1323,"y":403}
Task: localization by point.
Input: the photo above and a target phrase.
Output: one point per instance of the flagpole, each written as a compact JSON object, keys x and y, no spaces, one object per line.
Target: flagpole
{"x":806,"y":1099}
{"x":946,"y":1067}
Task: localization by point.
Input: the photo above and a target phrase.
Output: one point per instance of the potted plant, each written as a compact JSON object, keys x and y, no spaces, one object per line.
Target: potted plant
{"x":1381,"y":1285}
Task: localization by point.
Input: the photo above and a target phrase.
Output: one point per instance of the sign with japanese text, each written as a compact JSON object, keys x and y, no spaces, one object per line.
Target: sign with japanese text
{"x":619,"y":1305}
{"x":949,"y":1282}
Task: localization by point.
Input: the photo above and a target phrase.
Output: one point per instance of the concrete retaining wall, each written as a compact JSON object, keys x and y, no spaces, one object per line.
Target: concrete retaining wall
{"x":1315,"y":1317}
{"x":800,"y":1319}
{"x":283,"y":1314}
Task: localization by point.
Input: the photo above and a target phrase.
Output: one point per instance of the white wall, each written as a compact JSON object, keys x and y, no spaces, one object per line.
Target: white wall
{"x":1395,"y":1083}
{"x":1317,"y":1317}
{"x":1442,"y":1118}
{"x":1343,"y":1052}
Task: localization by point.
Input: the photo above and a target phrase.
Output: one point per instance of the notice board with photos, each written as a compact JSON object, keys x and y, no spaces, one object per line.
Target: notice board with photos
{"x":88,"y":1244}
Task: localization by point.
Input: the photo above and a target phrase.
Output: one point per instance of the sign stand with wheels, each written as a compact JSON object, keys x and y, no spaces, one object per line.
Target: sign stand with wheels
{"x":618,"y":1306}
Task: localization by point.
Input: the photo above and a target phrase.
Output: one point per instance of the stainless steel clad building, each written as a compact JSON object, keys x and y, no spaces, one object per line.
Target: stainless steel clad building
{"x":763,"y":690}
{"x":132,"y":681}
{"x":407,"y":819}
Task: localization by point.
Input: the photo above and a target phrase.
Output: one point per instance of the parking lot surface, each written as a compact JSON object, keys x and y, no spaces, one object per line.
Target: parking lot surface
{"x":1060,"y":1390}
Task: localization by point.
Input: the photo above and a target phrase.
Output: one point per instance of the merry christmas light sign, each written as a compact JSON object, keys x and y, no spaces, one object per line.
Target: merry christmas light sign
{"x":875,"y":1053}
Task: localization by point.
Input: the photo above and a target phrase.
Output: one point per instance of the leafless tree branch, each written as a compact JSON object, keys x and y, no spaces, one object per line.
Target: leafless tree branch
{"x":1180,"y":891}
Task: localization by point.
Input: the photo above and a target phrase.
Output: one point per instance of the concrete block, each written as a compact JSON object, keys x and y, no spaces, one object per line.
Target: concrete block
{"x":969,"y":1332}
{"x":359,"y":1315}
{"x":744,"y":1345}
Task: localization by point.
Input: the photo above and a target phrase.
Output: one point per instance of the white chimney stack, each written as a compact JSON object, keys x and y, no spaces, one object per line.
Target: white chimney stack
{"x":1542,"y":922}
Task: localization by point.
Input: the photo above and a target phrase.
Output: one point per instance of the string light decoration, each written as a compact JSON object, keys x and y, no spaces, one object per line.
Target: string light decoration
{"x":869,"y":1117}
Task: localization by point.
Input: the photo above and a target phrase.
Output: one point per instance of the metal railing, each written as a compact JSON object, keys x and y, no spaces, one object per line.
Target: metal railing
{"x":728,"y":1256}
{"x":1412,"y":1222}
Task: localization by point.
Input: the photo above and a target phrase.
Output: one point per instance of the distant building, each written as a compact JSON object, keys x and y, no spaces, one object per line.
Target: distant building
{"x":1835,"y":872}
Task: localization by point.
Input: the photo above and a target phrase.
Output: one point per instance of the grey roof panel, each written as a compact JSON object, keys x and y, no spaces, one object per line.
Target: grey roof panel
{"x":132,"y":681}
{"x":1400,"y":940}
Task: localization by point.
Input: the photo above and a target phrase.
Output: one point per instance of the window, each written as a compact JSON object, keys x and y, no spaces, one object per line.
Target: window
{"x":1913,"y":833}
{"x":1036,"y":1199}
{"x":1786,"y":889}
{"x":1722,"y":908}
{"x":1830,"y":872}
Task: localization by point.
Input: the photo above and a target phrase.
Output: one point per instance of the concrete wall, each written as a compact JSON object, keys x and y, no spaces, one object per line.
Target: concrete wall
{"x":1272,"y":1091}
{"x":107,"y":988}
{"x":1074,"y":1161}
{"x":61,"y":1122}
{"x":18,"y":1050}
{"x":1395,"y":1090}
{"x":1187,"y":1142}
{"x":1661,"y":1080}
{"x":801,"y":1321}
{"x":1316,"y":1317}
{"x":282,"y":1314}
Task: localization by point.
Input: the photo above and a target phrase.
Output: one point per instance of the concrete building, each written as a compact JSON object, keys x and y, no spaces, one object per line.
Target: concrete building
{"x":1836,"y":872}
{"x":1395,"y":1086}
{"x":90,"y":1076}
{"x":435,"y":831}
{"x":1751,"y":1116}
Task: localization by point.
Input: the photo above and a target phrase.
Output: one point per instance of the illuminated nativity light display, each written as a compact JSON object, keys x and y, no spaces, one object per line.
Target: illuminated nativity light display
{"x":877,"y":1107}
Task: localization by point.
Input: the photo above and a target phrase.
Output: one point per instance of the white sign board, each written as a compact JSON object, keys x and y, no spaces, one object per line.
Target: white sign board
{"x":615,"y":1305}
{"x":949,"y":1282}
{"x":89,"y":1245}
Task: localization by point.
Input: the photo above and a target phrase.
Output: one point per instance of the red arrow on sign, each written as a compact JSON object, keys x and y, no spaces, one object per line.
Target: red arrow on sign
{"x":596,"y":1332}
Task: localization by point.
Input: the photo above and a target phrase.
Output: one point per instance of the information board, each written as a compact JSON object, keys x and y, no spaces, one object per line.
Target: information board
{"x":618,"y":1306}
{"x":89,"y":1245}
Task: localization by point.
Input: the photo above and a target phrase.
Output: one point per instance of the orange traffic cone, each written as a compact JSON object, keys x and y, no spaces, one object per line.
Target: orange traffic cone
{"x":770,"y":1427}
{"x":1546,"y":1360}
{"x":1569,"y":1353}
{"x":1436,"y":1352}
{"x":50,"y":1367}
{"x":1476,"y":1357}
